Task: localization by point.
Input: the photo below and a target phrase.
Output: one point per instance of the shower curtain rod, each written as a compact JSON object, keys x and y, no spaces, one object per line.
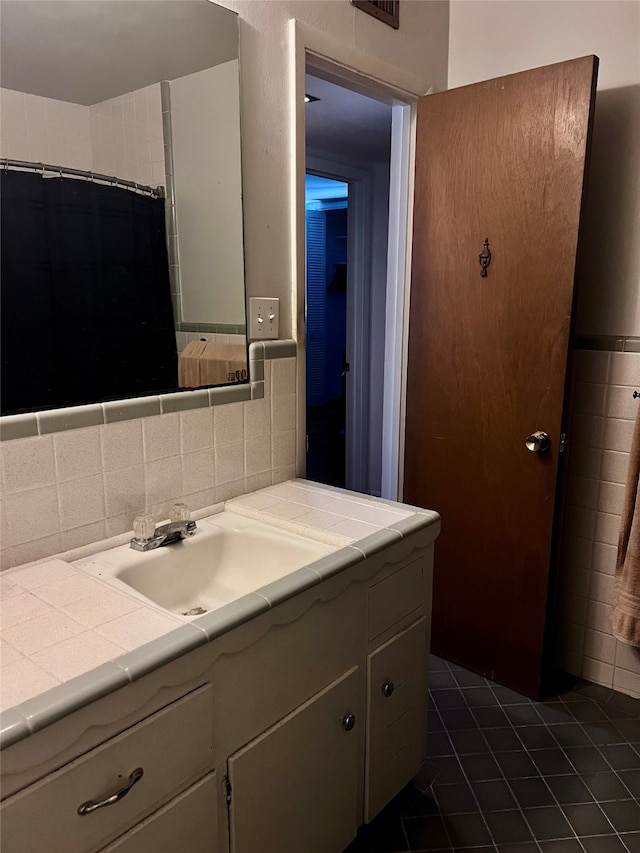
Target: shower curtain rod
{"x":6,"y":163}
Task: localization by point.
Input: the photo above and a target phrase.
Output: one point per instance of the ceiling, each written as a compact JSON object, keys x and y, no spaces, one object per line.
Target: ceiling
{"x":345,"y":125}
{"x":320,"y":189}
{"x":88,"y":51}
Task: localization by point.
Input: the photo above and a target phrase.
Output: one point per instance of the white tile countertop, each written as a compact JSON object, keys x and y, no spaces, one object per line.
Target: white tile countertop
{"x":67,"y":638}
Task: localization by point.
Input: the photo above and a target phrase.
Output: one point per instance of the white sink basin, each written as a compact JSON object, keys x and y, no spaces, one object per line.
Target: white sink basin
{"x":229,"y":556}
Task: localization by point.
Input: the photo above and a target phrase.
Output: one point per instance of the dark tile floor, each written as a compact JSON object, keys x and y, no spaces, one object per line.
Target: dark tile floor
{"x":508,"y":774}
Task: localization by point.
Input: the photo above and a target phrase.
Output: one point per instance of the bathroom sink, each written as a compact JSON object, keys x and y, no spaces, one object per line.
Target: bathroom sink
{"x":229,"y":556}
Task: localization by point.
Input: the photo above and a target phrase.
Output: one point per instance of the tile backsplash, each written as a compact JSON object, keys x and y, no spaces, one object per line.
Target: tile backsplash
{"x":68,"y":489}
{"x":63,"y":490}
{"x":604,"y":413}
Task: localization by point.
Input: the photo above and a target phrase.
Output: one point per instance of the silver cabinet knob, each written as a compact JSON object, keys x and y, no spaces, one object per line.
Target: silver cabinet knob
{"x":348,"y":722}
{"x":387,"y":688}
{"x":538,"y":441}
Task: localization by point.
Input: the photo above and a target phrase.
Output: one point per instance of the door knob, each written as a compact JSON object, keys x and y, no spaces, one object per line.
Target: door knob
{"x":348,"y":722}
{"x":387,"y":688}
{"x":538,"y":441}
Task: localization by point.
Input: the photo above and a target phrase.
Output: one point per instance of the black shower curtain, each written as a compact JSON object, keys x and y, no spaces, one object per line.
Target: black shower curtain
{"x":85,"y":296}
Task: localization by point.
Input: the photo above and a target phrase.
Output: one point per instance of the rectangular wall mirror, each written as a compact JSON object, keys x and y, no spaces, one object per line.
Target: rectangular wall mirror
{"x":122,"y":243}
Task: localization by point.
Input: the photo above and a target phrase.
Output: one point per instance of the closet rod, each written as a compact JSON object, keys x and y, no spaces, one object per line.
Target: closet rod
{"x":80,"y":173}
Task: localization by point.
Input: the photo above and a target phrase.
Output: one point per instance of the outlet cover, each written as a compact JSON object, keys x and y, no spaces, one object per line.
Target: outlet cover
{"x":264,"y":318}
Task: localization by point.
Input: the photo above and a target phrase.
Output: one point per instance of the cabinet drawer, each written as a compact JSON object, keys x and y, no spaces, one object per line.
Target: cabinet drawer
{"x":188,"y":822}
{"x":173,"y":747}
{"x":395,"y":597}
{"x":396,"y":722}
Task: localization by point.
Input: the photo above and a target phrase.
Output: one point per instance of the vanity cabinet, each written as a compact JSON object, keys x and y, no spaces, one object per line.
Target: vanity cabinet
{"x":185,"y":825}
{"x":295,"y":786}
{"x":172,"y":748}
{"x":282,"y":734}
{"x":396,"y":712}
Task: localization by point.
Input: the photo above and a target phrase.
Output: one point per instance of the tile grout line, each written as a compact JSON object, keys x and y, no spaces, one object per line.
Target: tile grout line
{"x":604,"y":758}
{"x":607,"y":713}
{"x":527,"y":702}
{"x":504,"y":778}
{"x":507,"y":782}
{"x":592,"y":744}
{"x":455,"y":753}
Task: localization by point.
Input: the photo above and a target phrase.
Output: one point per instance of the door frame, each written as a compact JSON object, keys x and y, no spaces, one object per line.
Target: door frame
{"x":396,"y":338}
{"x":309,"y":47}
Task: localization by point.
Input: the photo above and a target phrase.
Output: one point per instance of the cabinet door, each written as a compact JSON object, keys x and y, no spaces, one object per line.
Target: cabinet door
{"x":294,"y":788}
{"x":187,"y":823}
{"x":396,"y":709}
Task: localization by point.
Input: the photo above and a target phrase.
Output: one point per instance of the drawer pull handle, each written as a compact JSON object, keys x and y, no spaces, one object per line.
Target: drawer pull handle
{"x":387,"y":688}
{"x":90,"y":806}
{"x":348,"y":722}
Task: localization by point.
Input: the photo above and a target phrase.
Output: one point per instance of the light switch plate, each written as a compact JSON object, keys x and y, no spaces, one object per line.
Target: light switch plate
{"x":264,"y":318}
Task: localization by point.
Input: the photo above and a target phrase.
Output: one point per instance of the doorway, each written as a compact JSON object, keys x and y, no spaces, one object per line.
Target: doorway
{"x":348,"y":143}
{"x":326,"y":328}
{"x":395,"y":321}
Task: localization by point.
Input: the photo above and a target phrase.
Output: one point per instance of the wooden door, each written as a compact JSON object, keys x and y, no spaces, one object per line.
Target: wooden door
{"x":505,"y":160}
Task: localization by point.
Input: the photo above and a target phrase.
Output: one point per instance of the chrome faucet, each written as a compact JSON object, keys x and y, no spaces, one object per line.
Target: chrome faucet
{"x":147,"y":536}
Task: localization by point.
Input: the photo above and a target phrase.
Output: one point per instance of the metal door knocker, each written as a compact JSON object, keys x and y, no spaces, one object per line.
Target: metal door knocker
{"x":485,"y":258}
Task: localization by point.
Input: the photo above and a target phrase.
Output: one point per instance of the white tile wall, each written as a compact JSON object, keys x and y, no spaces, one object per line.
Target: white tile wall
{"x":121,"y":137}
{"x":127,"y":138}
{"x":598,"y":458}
{"x":67,"y":490}
{"x":44,"y":130}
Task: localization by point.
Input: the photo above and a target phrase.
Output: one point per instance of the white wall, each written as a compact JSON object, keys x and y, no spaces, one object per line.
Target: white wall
{"x":205,"y":122}
{"x":488,"y":38}
{"x":493,"y":37}
{"x":419,"y":45}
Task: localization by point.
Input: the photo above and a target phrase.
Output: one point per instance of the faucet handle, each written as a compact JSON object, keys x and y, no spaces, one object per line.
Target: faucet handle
{"x":144,"y":527}
{"x":179,"y":512}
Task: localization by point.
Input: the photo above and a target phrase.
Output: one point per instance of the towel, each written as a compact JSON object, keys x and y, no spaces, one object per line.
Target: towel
{"x":625,"y":618}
